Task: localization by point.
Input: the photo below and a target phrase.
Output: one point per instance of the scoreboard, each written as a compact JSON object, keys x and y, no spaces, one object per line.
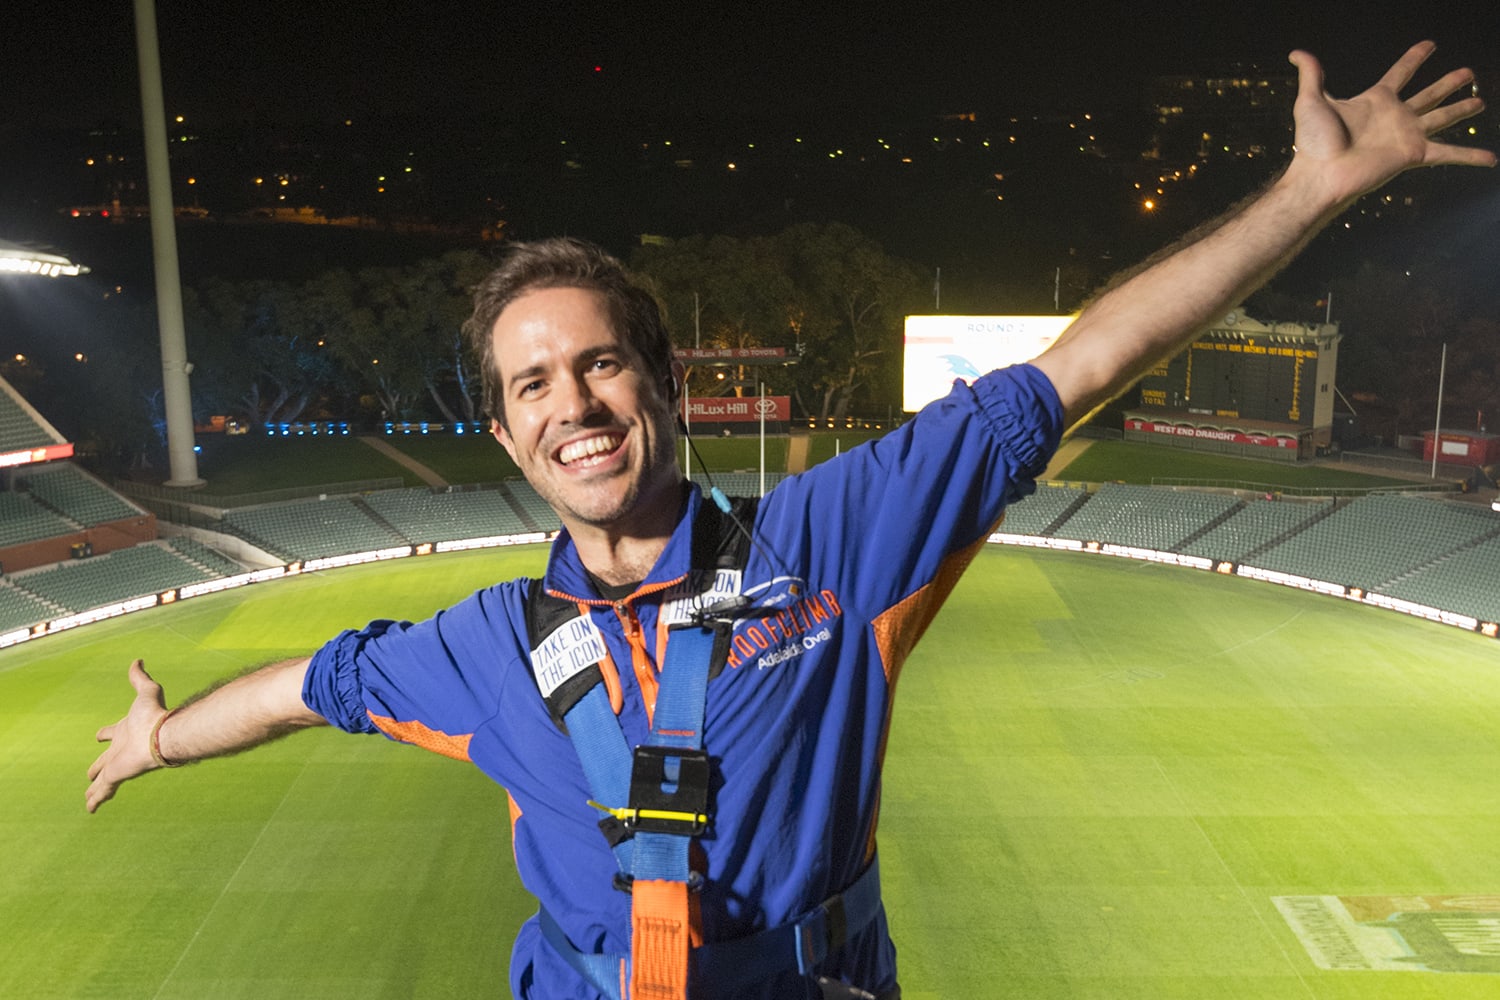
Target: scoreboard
{"x":1250,"y":381}
{"x":1245,"y":370}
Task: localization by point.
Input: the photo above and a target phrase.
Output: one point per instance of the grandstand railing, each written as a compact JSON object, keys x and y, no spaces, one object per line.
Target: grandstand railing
{"x":1262,"y":489}
{"x":169,"y":495}
{"x":1404,"y":464}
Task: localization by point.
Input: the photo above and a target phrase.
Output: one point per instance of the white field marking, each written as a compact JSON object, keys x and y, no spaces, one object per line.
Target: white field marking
{"x":229,"y":882}
{"x":1245,"y":897}
{"x":1257,"y":638}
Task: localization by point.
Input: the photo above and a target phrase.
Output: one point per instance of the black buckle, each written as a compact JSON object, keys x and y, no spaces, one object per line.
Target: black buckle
{"x":668,"y":791}
{"x":626,"y":883}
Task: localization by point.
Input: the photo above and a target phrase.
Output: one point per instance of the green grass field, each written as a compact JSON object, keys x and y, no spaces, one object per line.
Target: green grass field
{"x":252,"y":463}
{"x":1100,"y":774}
{"x":470,"y":458}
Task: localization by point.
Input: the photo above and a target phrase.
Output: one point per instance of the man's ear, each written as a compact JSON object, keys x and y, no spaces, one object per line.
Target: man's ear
{"x":499,"y":433}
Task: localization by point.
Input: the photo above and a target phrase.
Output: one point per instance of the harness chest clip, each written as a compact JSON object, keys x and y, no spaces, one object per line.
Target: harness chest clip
{"x":668,"y":791}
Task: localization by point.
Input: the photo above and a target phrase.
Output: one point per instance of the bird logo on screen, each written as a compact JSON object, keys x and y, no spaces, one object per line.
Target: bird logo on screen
{"x":961,"y":366}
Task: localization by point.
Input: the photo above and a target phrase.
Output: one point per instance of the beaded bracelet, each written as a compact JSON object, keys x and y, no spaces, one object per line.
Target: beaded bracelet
{"x":156,"y":754}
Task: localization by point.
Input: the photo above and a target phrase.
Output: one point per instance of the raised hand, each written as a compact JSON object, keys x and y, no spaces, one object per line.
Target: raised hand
{"x":129,"y":752}
{"x":1356,"y":145}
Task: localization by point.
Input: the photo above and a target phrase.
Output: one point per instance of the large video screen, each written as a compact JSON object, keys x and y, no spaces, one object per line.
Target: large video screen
{"x":940,"y":349}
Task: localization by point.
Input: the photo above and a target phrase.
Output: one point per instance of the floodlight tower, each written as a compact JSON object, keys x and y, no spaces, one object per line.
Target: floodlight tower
{"x":176,"y":395}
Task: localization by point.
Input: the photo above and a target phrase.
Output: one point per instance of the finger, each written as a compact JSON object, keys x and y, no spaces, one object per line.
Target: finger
{"x":106,"y":734}
{"x":1443,"y":154}
{"x":139,"y":679}
{"x":1309,"y":73}
{"x":1400,"y":74}
{"x":1440,"y":90}
{"x":1438,"y":119}
{"x":145,"y":685}
{"x":98,"y":794}
{"x":97,"y":765}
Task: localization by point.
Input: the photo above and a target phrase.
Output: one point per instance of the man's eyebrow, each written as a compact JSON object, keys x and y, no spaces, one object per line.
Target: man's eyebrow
{"x":594,"y":353}
{"x":525,"y":375}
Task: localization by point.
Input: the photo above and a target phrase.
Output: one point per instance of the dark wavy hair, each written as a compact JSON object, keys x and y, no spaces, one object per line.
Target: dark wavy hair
{"x":565,"y":262}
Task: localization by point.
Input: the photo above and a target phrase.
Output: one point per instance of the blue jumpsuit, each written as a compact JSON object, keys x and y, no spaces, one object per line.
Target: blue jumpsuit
{"x":855,"y":556}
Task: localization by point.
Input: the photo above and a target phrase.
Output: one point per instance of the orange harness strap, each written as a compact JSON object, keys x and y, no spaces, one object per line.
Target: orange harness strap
{"x":660,"y":933}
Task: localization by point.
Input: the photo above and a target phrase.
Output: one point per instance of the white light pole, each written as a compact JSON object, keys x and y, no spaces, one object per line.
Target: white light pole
{"x":760,"y":407}
{"x":1437,"y":429}
{"x":687,"y":432}
{"x":177,"y":397}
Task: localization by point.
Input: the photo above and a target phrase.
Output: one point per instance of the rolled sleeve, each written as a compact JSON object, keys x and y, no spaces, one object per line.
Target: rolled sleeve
{"x":332,"y":687}
{"x":1023,"y":411}
{"x":444,"y":675}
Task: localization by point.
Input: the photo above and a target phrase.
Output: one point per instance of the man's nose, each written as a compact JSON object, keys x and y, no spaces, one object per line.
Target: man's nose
{"x":578,"y":400}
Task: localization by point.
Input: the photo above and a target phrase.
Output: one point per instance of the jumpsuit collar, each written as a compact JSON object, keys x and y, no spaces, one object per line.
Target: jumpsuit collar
{"x":566,"y":577}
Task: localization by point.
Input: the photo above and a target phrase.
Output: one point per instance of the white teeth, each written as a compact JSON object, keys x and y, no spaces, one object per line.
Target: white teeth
{"x":570,"y":453}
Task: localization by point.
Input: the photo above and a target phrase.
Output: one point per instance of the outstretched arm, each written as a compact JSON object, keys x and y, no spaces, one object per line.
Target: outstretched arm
{"x":1344,"y":149}
{"x":244,"y":713}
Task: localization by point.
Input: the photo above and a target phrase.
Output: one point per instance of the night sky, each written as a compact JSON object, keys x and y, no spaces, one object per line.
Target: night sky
{"x":224,"y":61}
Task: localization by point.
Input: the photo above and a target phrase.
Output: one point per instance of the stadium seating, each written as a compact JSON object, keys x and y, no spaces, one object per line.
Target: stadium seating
{"x":1464,"y":581}
{"x":23,"y":519}
{"x":312,"y":529}
{"x":205,"y":558}
{"x":1416,"y":548}
{"x":19,"y":609}
{"x":534,"y":511}
{"x":1376,"y":539}
{"x":107,"y":579}
{"x":1035,"y":514}
{"x":1144,"y":516}
{"x":1255,"y":525}
{"x":738,"y":484}
{"x":69,"y":490}
{"x":17,"y":428}
{"x":421,"y":515}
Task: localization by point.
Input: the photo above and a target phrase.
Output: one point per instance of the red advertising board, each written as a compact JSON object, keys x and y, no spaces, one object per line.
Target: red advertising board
{"x":27,"y":456}
{"x":1211,"y":433}
{"x":731,"y":355}
{"x":739,"y":409}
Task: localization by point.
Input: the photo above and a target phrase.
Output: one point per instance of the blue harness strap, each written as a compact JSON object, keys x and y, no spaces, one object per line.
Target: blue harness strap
{"x":605,"y":757}
{"x":605,"y":972}
{"x":656,"y":843}
{"x":728,"y":965}
{"x":801,"y":944}
{"x":677,"y":724}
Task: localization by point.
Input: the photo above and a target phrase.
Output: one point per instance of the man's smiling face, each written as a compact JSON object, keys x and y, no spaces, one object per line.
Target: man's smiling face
{"x":584,"y":421}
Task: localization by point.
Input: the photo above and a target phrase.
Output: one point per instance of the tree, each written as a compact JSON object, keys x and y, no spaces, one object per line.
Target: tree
{"x":850,"y":304}
{"x":1396,"y":322}
{"x":400,"y":331}
{"x":828,"y":293}
{"x":362,"y":322}
{"x":257,"y":350}
{"x":720,"y":292}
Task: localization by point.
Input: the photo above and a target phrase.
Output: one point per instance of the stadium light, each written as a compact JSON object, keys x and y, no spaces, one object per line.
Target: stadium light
{"x":18,"y":259}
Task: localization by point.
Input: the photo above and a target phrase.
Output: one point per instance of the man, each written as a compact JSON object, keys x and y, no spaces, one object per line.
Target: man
{"x":745,"y":815}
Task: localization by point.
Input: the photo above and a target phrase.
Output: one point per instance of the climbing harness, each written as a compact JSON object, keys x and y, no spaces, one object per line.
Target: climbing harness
{"x":654,"y":798}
